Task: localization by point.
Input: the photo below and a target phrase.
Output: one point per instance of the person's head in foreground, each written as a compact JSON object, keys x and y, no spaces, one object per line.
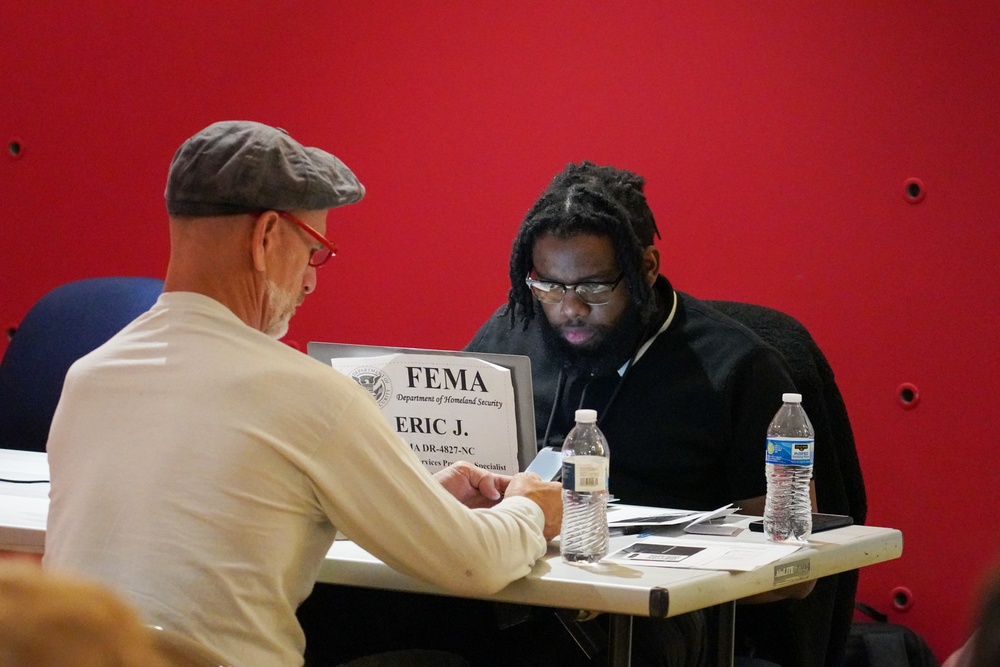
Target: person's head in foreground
{"x":51,"y":620}
{"x":985,"y":645}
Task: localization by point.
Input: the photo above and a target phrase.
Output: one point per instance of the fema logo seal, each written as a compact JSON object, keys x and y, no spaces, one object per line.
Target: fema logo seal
{"x":375,"y":382}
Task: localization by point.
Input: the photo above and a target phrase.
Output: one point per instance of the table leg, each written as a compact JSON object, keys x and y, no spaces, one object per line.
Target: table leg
{"x":726,"y":625}
{"x":620,"y":640}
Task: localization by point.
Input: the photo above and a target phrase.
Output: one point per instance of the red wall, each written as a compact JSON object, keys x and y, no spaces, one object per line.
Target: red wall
{"x":776,"y":139}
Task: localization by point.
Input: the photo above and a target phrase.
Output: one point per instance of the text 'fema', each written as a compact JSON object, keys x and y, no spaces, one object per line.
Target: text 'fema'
{"x":444,"y":378}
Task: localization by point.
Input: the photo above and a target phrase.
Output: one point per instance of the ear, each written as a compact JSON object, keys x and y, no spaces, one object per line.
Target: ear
{"x":650,"y":265}
{"x":261,"y":238}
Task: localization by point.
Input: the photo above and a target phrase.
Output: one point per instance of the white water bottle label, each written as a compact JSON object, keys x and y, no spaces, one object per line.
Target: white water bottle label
{"x":789,"y":451}
{"x":585,"y":473}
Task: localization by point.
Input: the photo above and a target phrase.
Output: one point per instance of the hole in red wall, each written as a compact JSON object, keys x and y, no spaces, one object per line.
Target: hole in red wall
{"x":902,"y":598}
{"x":909,"y":395}
{"x":913,"y":190}
{"x":15,"y":148}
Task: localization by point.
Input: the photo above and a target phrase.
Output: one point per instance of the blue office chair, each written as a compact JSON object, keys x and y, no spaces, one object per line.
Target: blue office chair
{"x":62,"y":326}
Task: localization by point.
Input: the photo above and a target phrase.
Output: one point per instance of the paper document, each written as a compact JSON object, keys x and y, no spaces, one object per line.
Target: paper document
{"x":704,"y":525}
{"x":697,"y":554}
{"x":644,"y":516}
{"x":621,"y":517}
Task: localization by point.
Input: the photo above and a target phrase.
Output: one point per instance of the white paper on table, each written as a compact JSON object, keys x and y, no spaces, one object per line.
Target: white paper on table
{"x":703,"y":525}
{"x":724,"y":529}
{"x":647,"y":516}
{"x":619,"y":517}
{"x":697,"y":554}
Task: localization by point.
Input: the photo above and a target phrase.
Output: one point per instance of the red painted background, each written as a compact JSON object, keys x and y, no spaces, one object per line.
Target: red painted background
{"x":776,"y":139}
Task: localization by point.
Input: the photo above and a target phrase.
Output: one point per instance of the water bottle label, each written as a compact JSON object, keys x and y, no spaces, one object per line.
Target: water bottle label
{"x":789,"y":451}
{"x":585,"y":473}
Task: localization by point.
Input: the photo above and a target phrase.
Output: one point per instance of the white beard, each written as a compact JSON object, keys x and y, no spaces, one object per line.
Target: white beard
{"x":281,"y":305}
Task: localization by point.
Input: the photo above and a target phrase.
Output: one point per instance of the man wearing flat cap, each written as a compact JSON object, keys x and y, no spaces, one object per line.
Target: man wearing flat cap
{"x":202,"y":468}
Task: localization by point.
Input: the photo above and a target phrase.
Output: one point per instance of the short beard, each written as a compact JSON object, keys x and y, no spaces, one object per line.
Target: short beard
{"x":281,"y":306}
{"x":610,"y":353}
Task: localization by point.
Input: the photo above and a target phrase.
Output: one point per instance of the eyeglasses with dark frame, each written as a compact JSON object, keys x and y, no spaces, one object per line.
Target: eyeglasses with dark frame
{"x":591,"y":293}
{"x":318,"y":256}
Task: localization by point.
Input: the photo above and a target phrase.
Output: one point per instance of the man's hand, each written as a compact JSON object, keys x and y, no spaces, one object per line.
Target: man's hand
{"x":474,"y":487}
{"x":547,"y":495}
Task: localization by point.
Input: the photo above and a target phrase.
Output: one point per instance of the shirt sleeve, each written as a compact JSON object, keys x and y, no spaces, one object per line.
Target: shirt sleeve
{"x":756,"y":389}
{"x":377,"y":492}
{"x":494,"y":335}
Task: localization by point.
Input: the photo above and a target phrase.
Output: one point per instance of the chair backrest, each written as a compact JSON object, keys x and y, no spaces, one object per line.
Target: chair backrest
{"x":65,"y":324}
{"x":181,"y":651}
{"x":840,"y":487}
{"x":812,"y":631}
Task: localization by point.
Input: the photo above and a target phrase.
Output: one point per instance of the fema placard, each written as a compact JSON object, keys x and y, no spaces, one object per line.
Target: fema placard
{"x":446,"y":408}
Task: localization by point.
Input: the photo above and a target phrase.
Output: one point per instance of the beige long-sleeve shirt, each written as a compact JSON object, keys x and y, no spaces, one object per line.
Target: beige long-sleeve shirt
{"x":203,"y":469}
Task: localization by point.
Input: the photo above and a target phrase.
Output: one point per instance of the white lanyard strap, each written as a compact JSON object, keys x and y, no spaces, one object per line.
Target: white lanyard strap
{"x":645,"y":346}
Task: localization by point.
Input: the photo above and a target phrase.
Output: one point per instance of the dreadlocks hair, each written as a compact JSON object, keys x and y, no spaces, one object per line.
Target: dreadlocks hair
{"x":586,"y":198}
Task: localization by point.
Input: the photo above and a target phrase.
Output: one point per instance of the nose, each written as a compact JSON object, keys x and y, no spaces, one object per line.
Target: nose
{"x":572,"y":306}
{"x":309,"y":280}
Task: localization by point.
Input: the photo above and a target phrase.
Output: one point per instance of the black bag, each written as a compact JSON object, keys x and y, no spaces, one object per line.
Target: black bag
{"x":878,"y":643}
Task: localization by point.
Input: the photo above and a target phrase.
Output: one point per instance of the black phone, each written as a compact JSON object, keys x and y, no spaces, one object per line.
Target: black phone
{"x":821,"y":522}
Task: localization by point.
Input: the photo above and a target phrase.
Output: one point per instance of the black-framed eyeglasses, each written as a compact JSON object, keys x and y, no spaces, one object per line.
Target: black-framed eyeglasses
{"x":591,"y":293}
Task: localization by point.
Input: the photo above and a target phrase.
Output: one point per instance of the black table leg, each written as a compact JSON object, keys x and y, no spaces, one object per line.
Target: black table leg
{"x":725,"y":624}
{"x":620,"y":640}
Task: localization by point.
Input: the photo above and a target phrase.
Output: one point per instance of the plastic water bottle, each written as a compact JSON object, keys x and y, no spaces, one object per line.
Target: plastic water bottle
{"x":789,"y":465}
{"x":584,"y":535}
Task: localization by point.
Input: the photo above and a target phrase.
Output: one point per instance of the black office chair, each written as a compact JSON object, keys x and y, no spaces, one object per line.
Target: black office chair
{"x":813,"y":631}
{"x":65,"y":324}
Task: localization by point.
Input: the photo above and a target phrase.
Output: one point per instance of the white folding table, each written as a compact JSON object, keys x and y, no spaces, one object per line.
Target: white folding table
{"x":623,"y":591}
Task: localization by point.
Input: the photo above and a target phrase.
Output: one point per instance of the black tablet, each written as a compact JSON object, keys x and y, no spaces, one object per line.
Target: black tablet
{"x":821,"y":522}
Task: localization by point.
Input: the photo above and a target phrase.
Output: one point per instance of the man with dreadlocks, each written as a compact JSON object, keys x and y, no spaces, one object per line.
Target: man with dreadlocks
{"x":683,"y":393}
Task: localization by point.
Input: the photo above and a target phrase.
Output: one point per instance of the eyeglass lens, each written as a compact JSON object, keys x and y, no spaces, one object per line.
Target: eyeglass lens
{"x":594,"y":294}
{"x":319,"y":256}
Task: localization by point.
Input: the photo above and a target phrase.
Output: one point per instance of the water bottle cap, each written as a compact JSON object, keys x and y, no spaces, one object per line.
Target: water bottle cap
{"x":586,"y":416}
{"x":791,"y":398}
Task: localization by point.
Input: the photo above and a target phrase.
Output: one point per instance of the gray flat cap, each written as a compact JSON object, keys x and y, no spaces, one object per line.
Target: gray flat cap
{"x":237,"y":166}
